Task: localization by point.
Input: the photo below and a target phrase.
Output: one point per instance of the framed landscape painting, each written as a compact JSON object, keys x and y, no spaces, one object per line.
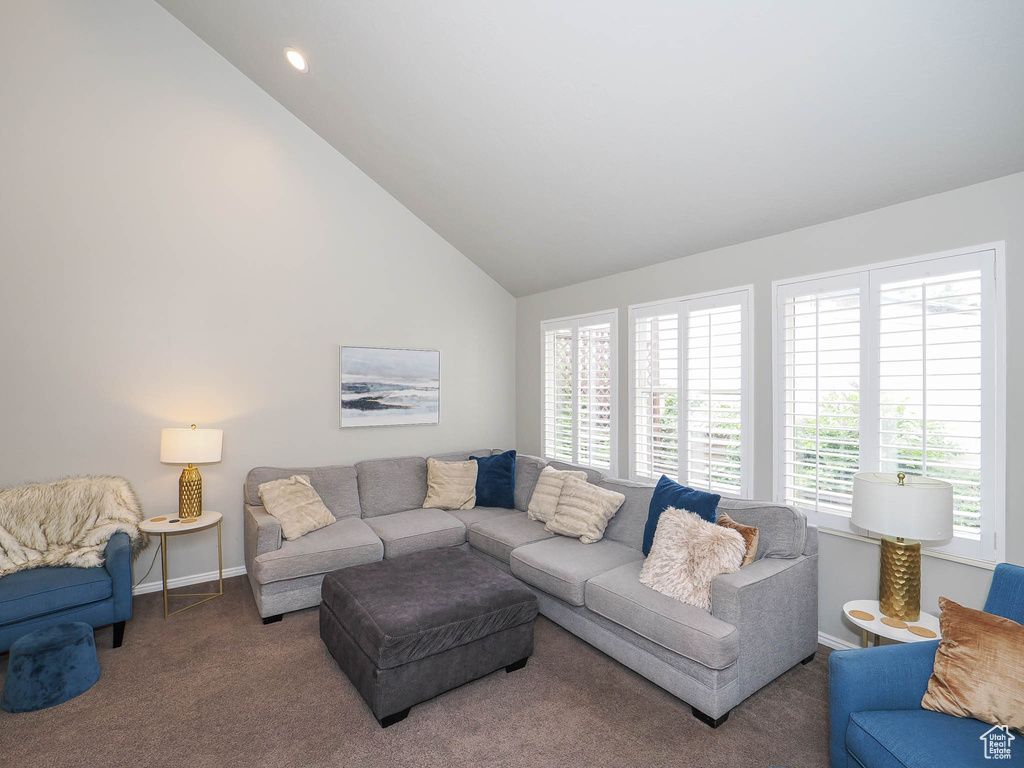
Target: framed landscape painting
{"x":390,"y":387}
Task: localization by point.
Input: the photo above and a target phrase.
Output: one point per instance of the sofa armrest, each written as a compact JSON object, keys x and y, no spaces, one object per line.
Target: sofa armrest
{"x":262,"y":534}
{"x":884,"y":678}
{"x":773,"y":603}
{"x":118,"y":562}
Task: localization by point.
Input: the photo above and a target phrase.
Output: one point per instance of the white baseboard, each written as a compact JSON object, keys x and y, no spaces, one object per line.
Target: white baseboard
{"x":830,"y":641}
{"x":184,"y":581}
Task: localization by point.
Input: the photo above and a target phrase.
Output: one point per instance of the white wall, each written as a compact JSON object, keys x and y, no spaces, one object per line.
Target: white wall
{"x":983,"y":213}
{"x":176,"y":247}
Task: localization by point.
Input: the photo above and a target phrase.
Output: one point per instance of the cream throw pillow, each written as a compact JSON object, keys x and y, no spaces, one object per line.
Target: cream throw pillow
{"x":544,"y":500}
{"x":584,"y":510}
{"x":687,"y":553}
{"x":294,"y":502}
{"x":450,"y":484}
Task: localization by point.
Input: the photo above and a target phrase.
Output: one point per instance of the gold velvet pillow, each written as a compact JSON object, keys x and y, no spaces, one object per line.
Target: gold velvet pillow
{"x":450,"y":484}
{"x":978,"y":671}
{"x":294,"y":502}
{"x":749,"y":533}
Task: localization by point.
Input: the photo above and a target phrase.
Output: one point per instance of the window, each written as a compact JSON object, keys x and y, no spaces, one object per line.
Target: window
{"x":689,"y":393}
{"x":579,"y":389}
{"x":893,"y":368}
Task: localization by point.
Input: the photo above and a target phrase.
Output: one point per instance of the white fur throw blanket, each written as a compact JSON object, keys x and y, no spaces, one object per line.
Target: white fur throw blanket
{"x":66,"y":523}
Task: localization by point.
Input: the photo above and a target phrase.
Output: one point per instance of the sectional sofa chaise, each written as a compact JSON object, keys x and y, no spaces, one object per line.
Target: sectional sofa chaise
{"x":763,"y":619}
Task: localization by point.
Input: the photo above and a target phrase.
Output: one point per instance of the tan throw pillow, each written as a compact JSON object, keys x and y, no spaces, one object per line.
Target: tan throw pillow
{"x":687,"y":553}
{"x":749,"y":533}
{"x":544,"y":500}
{"x":450,"y":484}
{"x":294,"y":502}
{"x":583,"y":510}
{"x":978,"y":671}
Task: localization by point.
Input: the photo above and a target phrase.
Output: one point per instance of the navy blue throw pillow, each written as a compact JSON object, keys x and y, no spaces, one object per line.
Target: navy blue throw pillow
{"x":669,"y":493}
{"x":496,"y":480}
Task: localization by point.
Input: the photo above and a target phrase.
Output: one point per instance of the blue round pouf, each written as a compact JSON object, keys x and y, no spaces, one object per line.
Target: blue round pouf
{"x":50,"y":666}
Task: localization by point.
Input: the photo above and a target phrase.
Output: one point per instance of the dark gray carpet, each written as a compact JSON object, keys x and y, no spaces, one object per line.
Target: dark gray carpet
{"x":214,"y":687}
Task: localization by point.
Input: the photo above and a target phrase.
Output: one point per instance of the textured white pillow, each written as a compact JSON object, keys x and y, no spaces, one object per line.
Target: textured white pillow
{"x":294,"y":502}
{"x":450,"y":484}
{"x":584,"y":510}
{"x":687,"y":553}
{"x":544,"y":500}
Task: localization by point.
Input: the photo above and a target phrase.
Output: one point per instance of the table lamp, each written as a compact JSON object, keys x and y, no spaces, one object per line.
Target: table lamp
{"x":190,"y":446}
{"x":903,"y":509}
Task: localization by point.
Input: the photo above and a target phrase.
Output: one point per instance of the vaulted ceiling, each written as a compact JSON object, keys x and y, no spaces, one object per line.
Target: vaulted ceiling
{"x":555,"y":141}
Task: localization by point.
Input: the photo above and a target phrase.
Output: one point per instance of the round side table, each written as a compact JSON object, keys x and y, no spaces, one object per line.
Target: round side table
{"x":926,"y":623}
{"x":172,"y":525}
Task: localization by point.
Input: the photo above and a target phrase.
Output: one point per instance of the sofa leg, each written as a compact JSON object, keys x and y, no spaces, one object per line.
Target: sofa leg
{"x":714,"y":722}
{"x":515,"y":665}
{"x":808,"y":660}
{"x":273,"y":619}
{"x":118,"y":634}
{"x":397,"y":717}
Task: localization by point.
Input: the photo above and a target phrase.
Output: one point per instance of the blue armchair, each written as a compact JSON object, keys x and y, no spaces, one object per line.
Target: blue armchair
{"x":875,"y":695}
{"x":40,"y":597}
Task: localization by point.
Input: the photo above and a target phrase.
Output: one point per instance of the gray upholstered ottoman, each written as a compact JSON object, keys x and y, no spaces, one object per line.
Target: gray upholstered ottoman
{"x":407,"y":629}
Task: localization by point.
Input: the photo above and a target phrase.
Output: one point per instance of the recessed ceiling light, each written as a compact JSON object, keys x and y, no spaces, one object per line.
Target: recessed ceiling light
{"x":296,"y":59}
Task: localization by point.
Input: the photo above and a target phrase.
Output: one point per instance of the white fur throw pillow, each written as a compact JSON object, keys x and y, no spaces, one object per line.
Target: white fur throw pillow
{"x":544,"y":500}
{"x":687,"y":553}
{"x":296,"y":504}
{"x":450,"y":484}
{"x":584,"y":510}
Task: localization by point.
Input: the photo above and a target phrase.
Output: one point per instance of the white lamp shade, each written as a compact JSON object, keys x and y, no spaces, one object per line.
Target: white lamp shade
{"x":190,"y":446}
{"x":922,"y":508}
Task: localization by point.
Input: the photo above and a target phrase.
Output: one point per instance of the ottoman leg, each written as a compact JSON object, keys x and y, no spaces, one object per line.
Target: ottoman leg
{"x":516,"y":665}
{"x":397,"y":717}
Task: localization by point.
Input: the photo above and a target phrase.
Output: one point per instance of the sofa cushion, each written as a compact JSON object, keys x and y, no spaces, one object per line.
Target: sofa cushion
{"x":496,"y":479}
{"x":498,"y":537}
{"x":781,"y":530}
{"x":627,"y":526}
{"x":562,"y":566}
{"x":471,"y":517}
{"x":593,"y":475}
{"x":619,"y":596}
{"x":391,"y":485}
{"x":347,"y":542}
{"x":336,"y":486}
{"x":668,"y":493}
{"x":39,"y":591}
{"x":417,"y":529}
{"x":460,"y":455}
{"x":915,"y":738}
{"x":527,"y":471}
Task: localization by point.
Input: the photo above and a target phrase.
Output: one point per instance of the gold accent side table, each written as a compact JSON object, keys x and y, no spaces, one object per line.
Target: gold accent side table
{"x":171,"y":525}
{"x":878,"y":629}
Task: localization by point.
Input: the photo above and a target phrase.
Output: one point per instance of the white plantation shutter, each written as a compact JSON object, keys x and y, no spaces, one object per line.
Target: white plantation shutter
{"x":821,"y":398}
{"x":656,"y":377}
{"x":893,"y":369}
{"x":689,"y":370}
{"x":594,"y":394}
{"x":579,"y":390}
{"x":714,"y":378}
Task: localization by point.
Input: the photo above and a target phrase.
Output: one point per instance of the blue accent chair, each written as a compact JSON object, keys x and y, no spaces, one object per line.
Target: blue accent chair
{"x":876,"y":718}
{"x":42,"y":597}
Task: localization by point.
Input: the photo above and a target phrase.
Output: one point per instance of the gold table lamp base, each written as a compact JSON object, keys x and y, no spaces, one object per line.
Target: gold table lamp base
{"x":899,"y":583}
{"x":190,"y":493}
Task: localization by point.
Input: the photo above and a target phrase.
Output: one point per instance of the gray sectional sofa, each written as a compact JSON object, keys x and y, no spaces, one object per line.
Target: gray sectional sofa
{"x":763,"y":619}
